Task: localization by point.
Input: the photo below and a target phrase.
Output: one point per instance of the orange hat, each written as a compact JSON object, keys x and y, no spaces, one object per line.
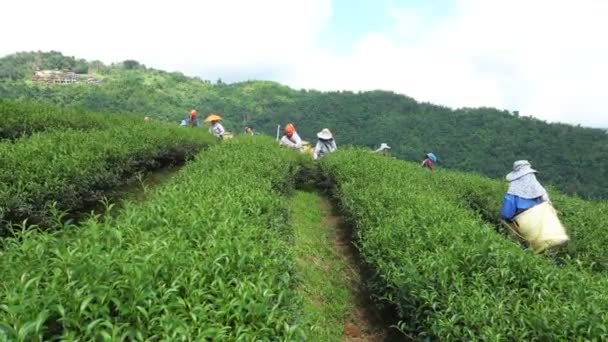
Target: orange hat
{"x":289,"y":129}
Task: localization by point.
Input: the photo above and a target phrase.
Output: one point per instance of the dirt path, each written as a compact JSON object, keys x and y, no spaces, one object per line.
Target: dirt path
{"x":333,"y":281}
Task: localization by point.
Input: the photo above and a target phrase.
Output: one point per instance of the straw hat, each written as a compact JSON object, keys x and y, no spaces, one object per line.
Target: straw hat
{"x":520,"y":169}
{"x":213,"y":117}
{"x":325,"y":134}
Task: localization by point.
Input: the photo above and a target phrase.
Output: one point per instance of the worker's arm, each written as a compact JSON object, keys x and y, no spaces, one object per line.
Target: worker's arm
{"x":297,"y":141}
{"x":285,"y":141}
{"x":315,"y":153}
{"x":509,"y":207}
{"x":546,"y":198}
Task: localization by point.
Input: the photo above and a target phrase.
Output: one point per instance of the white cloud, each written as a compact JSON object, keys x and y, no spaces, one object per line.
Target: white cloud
{"x":188,"y":35}
{"x":545,"y":58}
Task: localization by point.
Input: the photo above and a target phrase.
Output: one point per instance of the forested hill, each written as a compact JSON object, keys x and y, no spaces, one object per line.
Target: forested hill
{"x":483,"y":140}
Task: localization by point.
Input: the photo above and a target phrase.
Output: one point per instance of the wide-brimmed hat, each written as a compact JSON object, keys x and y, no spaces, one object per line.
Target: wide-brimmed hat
{"x":520,"y":169}
{"x":325,"y":134}
{"x":213,"y":117}
{"x":384,"y":146}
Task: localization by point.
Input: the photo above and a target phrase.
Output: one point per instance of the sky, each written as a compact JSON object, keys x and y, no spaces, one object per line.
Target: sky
{"x":544,"y":58}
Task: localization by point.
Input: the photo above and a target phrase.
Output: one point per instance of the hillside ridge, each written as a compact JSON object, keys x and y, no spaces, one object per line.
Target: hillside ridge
{"x":481,"y":140}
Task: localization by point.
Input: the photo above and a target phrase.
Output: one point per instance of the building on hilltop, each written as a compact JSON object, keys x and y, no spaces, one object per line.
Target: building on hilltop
{"x":62,"y":77}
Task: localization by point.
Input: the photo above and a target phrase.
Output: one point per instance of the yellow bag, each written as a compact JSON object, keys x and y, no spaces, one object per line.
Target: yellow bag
{"x":541,"y":227}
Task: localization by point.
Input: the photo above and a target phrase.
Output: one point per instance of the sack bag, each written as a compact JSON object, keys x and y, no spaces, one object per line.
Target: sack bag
{"x":541,"y":227}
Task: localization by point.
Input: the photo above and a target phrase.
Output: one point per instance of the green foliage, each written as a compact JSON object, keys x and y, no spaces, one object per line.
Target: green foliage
{"x":483,"y":140}
{"x":74,"y":168}
{"x":130,"y":64}
{"x":23,"y":64}
{"x":204,"y":259}
{"x":21,"y":118}
{"x":450,"y":275}
{"x":585,"y":220}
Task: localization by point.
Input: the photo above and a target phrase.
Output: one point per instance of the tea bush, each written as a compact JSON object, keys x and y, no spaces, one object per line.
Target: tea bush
{"x":74,"y":168}
{"x":584,"y":220}
{"x":205,"y":258}
{"x":449,"y":275}
{"x":22,"y":118}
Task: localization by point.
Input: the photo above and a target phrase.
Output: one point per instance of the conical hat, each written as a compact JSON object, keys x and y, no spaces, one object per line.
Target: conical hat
{"x":213,"y":117}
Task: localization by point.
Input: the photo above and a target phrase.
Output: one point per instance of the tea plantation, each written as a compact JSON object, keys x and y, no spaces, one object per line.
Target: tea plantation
{"x":211,"y":255}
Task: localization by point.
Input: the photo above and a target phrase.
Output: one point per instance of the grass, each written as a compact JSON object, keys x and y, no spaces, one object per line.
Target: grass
{"x":324,"y":272}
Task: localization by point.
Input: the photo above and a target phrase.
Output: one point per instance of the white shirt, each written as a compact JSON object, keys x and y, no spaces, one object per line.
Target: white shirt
{"x":294,"y":142}
{"x":217,"y":129}
{"x":323,"y":148}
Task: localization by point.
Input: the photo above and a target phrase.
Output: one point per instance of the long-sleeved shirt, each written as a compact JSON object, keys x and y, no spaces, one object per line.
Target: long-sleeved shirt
{"x":323,"y":148}
{"x":217,"y":129}
{"x":294,"y":141}
{"x":513,"y":205}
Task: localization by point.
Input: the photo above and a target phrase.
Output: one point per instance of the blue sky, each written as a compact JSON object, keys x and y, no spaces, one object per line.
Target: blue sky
{"x":352,"y":20}
{"x":543,"y":58}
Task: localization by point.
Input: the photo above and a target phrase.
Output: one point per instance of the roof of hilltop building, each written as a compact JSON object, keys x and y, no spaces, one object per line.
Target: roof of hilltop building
{"x":62,"y":77}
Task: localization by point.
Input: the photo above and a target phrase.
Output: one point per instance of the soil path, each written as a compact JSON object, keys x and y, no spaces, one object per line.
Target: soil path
{"x":333,"y":287}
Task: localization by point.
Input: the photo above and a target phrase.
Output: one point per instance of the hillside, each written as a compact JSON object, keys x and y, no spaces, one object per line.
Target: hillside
{"x":275,"y":246}
{"x":483,"y":140}
{"x":245,"y":239}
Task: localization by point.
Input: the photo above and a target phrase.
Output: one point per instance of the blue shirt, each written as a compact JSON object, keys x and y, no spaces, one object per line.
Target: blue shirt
{"x":513,"y":205}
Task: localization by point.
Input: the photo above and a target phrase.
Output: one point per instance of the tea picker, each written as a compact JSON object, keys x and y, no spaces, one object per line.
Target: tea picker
{"x":193,"y":118}
{"x":383,"y":149}
{"x":216,"y":127}
{"x":291,"y":138}
{"x":325,"y":145}
{"x":527,"y":208}
{"x":429,"y":160}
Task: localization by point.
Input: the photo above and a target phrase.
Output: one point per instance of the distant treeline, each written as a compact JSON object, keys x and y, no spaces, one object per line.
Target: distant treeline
{"x":483,"y":140}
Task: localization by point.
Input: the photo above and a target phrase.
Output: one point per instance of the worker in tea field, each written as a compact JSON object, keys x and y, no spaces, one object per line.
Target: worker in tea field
{"x":524,"y":190}
{"x":325,"y":145}
{"x":193,"y":118}
{"x":291,"y":138}
{"x":384,"y":149}
{"x":528,"y":209}
{"x":429,"y":160}
{"x":216,"y":127}
{"x":249,"y":131}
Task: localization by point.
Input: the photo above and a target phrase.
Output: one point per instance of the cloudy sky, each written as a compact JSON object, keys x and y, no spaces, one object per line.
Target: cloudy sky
{"x":546,"y":58}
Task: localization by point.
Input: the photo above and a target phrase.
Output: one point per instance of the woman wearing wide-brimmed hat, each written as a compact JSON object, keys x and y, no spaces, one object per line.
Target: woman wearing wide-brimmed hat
{"x":524,"y":190}
{"x":325,"y":145}
{"x":216,"y":127}
{"x":528,"y":209}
